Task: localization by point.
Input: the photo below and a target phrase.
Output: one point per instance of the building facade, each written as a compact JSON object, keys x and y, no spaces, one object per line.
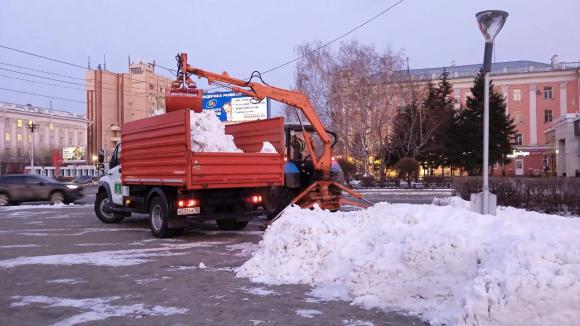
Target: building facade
{"x":56,"y":130}
{"x":116,"y":98}
{"x":537,"y":94}
{"x":563,"y":139}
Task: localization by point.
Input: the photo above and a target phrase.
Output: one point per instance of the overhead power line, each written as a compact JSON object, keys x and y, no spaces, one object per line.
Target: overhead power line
{"x":42,"y":95}
{"x":135,"y":89}
{"x":43,"y":57}
{"x":336,"y":38}
{"x":39,"y":82}
{"x":329,"y":42}
{"x":49,"y":78}
{"x":39,"y":70}
{"x":59,"y":61}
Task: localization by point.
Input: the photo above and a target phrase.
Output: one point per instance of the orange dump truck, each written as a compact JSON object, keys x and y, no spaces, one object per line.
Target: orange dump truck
{"x":153,"y":171}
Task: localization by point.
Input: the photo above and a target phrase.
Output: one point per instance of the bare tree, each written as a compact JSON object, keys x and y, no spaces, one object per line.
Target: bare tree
{"x":354,"y":91}
{"x":313,"y":77}
{"x":366,"y":93}
{"x":413,"y":128}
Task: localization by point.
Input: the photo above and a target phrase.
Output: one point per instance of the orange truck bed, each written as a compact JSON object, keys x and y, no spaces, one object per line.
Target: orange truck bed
{"x":157,"y":151}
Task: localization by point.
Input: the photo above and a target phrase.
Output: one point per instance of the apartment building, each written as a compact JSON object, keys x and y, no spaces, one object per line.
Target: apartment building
{"x":115,"y":98}
{"x":537,"y":95}
{"x":56,"y":130}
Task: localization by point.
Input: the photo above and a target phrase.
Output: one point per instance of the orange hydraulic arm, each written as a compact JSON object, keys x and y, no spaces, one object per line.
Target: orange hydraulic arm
{"x":260,"y":91}
{"x":324,"y":192}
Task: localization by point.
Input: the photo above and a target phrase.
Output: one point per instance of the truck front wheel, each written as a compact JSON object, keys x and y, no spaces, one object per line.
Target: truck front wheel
{"x":231,"y":225}
{"x":103,"y":211}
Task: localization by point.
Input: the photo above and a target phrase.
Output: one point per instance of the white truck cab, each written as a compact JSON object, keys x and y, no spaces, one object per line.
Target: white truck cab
{"x":112,"y":178}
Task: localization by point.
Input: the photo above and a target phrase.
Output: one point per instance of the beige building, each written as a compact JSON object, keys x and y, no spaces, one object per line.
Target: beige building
{"x":537,"y":94}
{"x":116,"y":98}
{"x":56,"y":130}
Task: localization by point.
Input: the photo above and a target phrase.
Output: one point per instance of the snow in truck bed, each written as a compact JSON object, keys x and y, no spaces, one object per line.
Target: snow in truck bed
{"x":208,"y":134}
{"x":444,"y":263}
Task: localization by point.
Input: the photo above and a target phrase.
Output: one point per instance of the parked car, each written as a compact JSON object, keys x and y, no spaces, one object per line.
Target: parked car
{"x":83,"y":180}
{"x":18,"y":188}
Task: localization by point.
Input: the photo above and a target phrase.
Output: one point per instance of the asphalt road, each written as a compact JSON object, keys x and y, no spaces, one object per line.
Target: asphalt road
{"x":60,"y":265}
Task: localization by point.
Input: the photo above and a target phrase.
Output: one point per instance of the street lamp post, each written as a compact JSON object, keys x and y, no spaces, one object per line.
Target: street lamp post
{"x":490,"y":22}
{"x":32,"y":127}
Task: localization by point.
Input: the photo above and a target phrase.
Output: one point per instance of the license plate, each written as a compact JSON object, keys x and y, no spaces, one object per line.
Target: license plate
{"x":188,"y":211}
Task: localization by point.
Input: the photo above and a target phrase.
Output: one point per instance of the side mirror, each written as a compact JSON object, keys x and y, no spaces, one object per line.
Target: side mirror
{"x":101,"y":156}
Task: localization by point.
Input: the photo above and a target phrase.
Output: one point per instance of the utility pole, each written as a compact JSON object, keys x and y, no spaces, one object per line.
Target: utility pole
{"x":490,"y":22}
{"x":32,"y":127}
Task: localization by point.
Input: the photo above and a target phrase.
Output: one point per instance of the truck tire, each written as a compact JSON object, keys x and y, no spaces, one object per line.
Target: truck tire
{"x":231,"y":225}
{"x":158,"y":218}
{"x":101,"y":201}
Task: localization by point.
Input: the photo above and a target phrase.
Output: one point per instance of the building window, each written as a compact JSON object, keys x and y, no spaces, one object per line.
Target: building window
{"x":151,"y":86}
{"x":61,"y":141}
{"x":7,"y":123}
{"x":547,"y":115}
{"x":547,"y":93}
{"x":518,"y":139}
{"x":19,"y":138}
{"x":51,"y":126}
{"x":30,"y":138}
{"x":51,"y":140}
{"x":517,"y":95}
{"x":7,"y":136}
{"x":19,"y":123}
{"x":136,"y":70}
{"x":517,"y":118}
{"x":70,"y":143}
{"x":41,"y":139}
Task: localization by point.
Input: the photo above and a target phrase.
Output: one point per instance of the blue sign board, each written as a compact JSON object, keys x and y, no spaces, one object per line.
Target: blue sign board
{"x":235,"y":107}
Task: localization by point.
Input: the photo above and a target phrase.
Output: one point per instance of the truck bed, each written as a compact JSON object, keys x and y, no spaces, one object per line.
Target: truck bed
{"x":157,"y":151}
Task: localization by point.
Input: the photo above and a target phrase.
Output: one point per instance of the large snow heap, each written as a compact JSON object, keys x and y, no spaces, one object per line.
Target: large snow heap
{"x":208,"y":134}
{"x":444,"y":263}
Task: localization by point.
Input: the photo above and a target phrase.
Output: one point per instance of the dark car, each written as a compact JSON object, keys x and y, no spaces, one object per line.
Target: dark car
{"x":83,"y":180}
{"x":15,"y":189}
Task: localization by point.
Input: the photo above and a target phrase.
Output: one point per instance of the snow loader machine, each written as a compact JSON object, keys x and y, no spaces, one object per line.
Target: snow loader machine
{"x":310,"y":179}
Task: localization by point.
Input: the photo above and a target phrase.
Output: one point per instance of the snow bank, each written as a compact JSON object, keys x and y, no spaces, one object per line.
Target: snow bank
{"x":443,"y":263}
{"x":208,"y":134}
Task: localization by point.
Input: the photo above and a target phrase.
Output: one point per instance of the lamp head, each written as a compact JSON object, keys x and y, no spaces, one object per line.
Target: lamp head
{"x":490,"y":23}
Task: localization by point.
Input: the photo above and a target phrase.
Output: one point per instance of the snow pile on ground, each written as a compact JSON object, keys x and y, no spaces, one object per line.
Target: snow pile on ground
{"x":443,"y":263}
{"x":267,"y":147}
{"x":208,"y":134}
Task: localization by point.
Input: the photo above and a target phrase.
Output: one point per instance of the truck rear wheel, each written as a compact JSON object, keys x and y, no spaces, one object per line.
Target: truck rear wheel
{"x":159,"y":218}
{"x":231,"y":225}
{"x":102,"y":210}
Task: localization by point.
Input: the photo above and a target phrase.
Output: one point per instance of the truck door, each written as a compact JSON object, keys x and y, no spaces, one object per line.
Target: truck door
{"x":114,"y":174}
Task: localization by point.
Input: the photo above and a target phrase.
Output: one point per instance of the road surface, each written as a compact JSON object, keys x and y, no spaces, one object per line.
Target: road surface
{"x":60,"y":265}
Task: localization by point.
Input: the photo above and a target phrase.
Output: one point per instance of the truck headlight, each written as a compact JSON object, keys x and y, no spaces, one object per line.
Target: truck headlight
{"x":72,"y":187}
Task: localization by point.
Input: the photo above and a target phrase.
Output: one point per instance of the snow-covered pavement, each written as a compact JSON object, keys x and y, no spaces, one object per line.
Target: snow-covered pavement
{"x":62,"y":266}
{"x":444,"y":263}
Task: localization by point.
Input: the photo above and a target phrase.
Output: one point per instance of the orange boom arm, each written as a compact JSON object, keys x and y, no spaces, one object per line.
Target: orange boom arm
{"x":324,"y":192}
{"x":260,"y":91}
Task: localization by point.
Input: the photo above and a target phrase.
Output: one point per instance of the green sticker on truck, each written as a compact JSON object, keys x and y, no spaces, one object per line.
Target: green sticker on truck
{"x":117,"y":188}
